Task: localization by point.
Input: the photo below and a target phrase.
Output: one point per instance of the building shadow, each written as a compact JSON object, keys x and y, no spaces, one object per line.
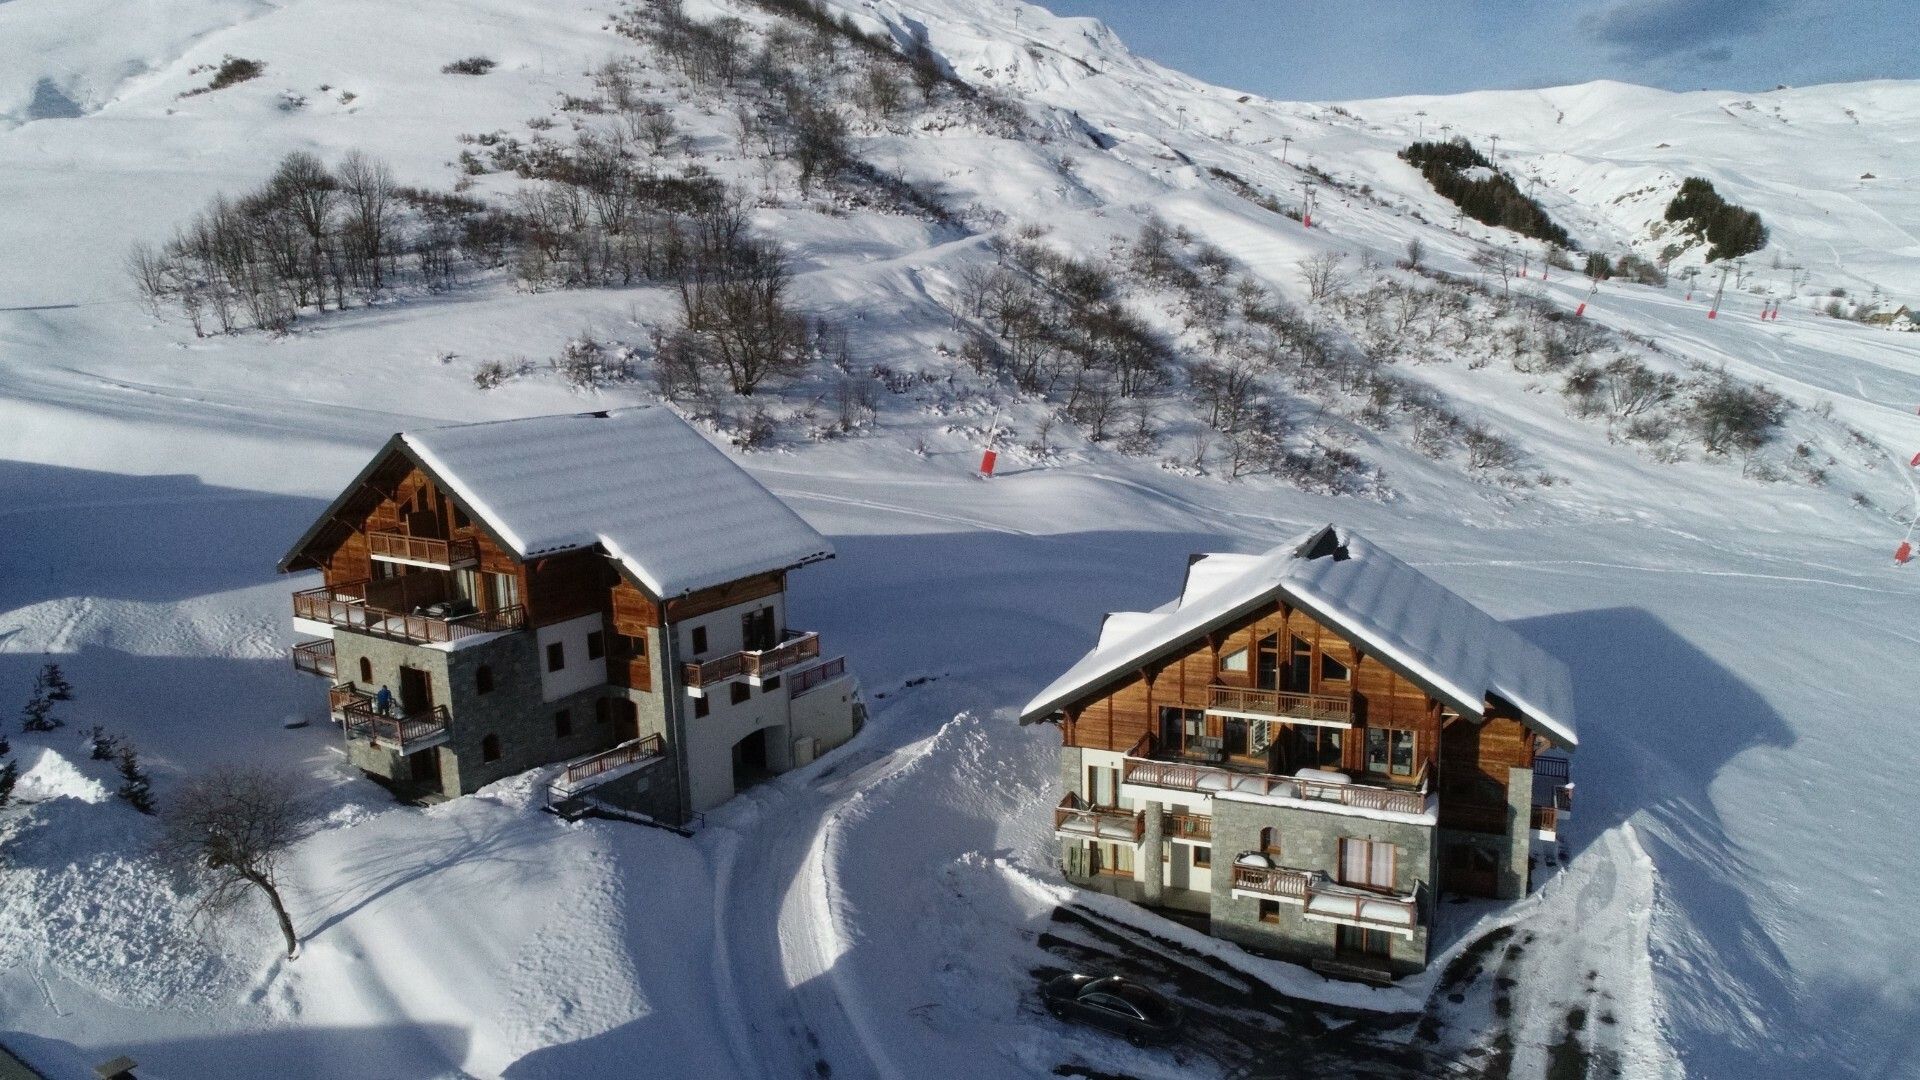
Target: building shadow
{"x":83,"y":533}
{"x":380,"y":1052}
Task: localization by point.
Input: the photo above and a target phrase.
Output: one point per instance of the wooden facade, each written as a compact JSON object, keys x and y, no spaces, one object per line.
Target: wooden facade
{"x":1321,"y":699}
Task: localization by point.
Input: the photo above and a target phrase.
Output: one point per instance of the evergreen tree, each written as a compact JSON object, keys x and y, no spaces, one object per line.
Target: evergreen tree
{"x":37,"y":713}
{"x":134,"y":787}
{"x":100,"y":744}
{"x":58,"y":688}
{"x":9,"y":773}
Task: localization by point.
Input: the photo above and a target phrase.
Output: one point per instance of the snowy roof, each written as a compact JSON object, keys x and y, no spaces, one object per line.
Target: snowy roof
{"x":1392,"y":611}
{"x":639,"y":482}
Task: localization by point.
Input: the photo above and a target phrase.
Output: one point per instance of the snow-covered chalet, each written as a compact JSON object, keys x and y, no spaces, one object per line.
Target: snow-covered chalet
{"x":1309,"y":747}
{"x":605,"y":589}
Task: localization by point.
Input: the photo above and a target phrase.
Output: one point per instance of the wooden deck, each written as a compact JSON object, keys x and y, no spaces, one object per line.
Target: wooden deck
{"x":349,"y":607}
{"x":755,"y":664}
{"x":422,"y":550}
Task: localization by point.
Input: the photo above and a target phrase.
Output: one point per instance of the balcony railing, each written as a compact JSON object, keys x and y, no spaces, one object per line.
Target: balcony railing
{"x":1545,"y":819}
{"x":815,"y":676}
{"x":415,"y":731}
{"x":1076,"y":818}
{"x":1325,"y":900}
{"x":314,"y":658}
{"x":424,"y":550}
{"x":755,"y":664}
{"x":1328,"y":709}
{"x":343,"y":695}
{"x":1209,"y":780}
{"x":347,"y":606}
{"x":584,"y":773}
{"x":1187,"y":827}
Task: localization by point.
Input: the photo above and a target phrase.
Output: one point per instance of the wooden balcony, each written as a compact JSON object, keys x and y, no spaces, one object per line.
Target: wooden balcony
{"x":1074,"y":817}
{"x":315,"y":658}
{"x":407,"y":734}
{"x":1323,"y":900}
{"x":816,"y":676}
{"x":755,"y":665}
{"x":350,"y":607}
{"x":586,"y":772}
{"x":1141,"y":768}
{"x":422,"y":550}
{"x":1322,"y":710}
{"x":343,"y":695}
{"x":1187,"y":827}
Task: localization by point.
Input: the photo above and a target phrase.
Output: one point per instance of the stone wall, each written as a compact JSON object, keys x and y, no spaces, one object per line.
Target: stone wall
{"x":1310,"y":840}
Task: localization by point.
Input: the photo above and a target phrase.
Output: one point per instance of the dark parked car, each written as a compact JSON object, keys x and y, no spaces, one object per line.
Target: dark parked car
{"x":1116,"y":1003}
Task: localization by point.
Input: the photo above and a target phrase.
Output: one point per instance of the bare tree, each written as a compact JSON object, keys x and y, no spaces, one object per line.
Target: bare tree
{"x":1322,"y":276}
{"x":227,"y":830}
{"x":369,"y":188}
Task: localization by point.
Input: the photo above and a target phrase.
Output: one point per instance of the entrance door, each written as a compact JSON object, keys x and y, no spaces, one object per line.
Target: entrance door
{"x":424,"y":766}
{"x":756,"y":630}
{"x":416,"y":691}
{"x":626,"y":720}
{"x":750,"y":760}
{"x":1471,"y":870}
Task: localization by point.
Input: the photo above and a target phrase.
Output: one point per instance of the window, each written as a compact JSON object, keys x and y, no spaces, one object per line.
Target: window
{"x":1114,"y":860}
{"x":460,"y":520}
{"x":740,"y":692}
{"x":699,"y":640}
{"x":1300,"y":672}
{"x":596,"y":644}
{"x":1103,"y":786}
{"x":771,"y":682}
{"x":1359,"y":941}
{"x":636,"y":645}
{"x":483,"y":679}
{"x":1234,"y":661}
{"x":1236,"y":736}
{"x":1270,"y":841}
{"x":556,"y":656}
{"x":701,"y":707}
{"x":1366,"y":863}
{"x":1180,"y":727}
{"x":503,"y":591}
{"x":490,"y":748}
{"x":1270,"y":911}
{"x":1202,"y":857}
{"x":1331,"y":669}
{"x":366,"y":671}
{"x":1390,"y":750}
{"x":1303,"y":747}
{"x":563,"y":723}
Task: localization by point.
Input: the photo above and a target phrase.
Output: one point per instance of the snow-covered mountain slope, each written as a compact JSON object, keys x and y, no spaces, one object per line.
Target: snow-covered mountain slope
{"x":1737,"y":898}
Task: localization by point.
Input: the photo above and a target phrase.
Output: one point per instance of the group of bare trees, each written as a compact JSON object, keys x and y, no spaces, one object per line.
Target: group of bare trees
{"x":310,"y":237}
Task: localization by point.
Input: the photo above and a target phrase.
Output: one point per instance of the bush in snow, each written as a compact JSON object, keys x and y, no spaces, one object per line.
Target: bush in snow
{"x":470,"y":65}
{"x":232,"y":71}
{"x":1727,"y":415}
{"x":134,"y":785}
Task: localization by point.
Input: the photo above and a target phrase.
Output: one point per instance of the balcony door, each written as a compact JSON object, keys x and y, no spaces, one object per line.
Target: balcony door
{"x":1266,"y":668}
{"x":416,"y":691}
{"x":757,"y":632}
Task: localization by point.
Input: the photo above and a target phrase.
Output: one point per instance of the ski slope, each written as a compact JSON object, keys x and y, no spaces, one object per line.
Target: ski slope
{"x":1742,"y":876}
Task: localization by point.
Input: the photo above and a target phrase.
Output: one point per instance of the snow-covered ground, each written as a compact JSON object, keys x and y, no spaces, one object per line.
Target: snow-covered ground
{"x":1741,"y":882}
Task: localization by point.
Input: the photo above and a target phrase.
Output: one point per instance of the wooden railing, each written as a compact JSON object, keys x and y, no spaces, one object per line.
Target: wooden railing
{"x":1274,"y":881}
{"x":314,"y":658}
{"x":1322,"y":708}
{"x":1545,"y":818}
{"x":580,"y":774}
{"x":753,"y":663}
{"x":423,"y":549}
{"x":1320,"y":896}
{"x":814,"y":676}
{"x":343,"y":695}
{"x":346,"y":606}
{"x":1099,"y":822}
{"x":1553,"y":767}
{"x":428,"y":727}
{"x":1187,"y":826}
{"x":1206,"y":780}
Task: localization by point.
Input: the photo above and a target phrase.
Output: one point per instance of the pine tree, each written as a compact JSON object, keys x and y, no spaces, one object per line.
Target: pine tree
{"x":135,"y":788}
{"x":37,"y":714}
{"x":58,"y":688}
{"x":101,"y":745}
{"x":9,"y":772}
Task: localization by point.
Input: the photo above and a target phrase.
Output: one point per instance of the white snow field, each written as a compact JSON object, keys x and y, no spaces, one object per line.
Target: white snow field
{"x":1740,"y":898}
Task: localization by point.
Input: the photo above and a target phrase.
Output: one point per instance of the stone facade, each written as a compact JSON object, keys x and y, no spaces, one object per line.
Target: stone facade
{"x":1310,"y":840}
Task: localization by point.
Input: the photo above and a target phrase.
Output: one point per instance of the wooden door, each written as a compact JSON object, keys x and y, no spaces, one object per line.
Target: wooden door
{"x":1471,"y":870}
{"x":416,"y":691}
{"x":626,"y":720}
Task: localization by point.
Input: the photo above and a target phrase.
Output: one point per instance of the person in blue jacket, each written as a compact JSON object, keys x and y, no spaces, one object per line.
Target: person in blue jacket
{"x":383,"y":702}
